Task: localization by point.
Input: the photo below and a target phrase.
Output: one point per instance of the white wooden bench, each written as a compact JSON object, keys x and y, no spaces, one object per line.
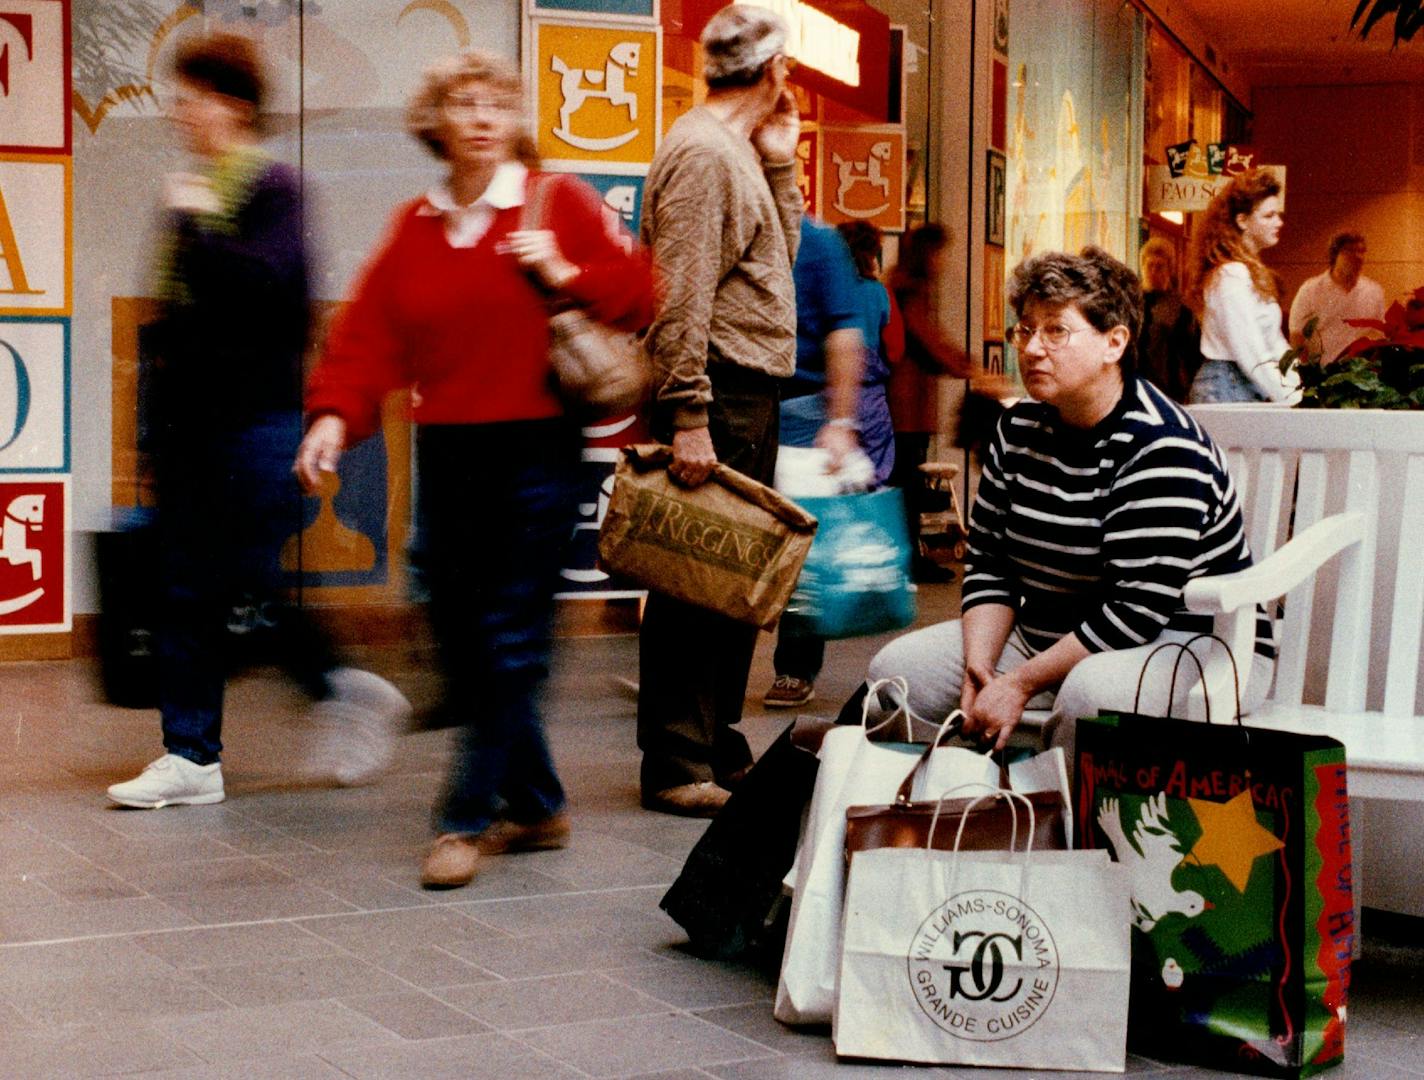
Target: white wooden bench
{"x":1346,"y":489}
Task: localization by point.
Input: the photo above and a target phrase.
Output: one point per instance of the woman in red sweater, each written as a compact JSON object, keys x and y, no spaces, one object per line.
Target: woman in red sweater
{"x":449,"y":306}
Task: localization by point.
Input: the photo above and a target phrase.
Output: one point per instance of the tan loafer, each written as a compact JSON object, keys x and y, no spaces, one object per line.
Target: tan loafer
{"x":701,"y":800}
{"x":507,"y":836}
{"x":453,"y":861}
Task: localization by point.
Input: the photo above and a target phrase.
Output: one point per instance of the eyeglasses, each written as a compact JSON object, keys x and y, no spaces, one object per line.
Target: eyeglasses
{"x":1053,"y":336}
{"x":470,"y":104}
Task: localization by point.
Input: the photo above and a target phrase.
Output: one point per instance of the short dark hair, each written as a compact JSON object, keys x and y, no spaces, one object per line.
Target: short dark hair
{"x":1103,"y":289}
{"x":226,"y":64}
{"x":1342,"y":240}
{"x":863,"y":239}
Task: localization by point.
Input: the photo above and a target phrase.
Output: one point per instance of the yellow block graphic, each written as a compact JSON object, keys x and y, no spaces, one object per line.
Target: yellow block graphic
{"x":597,"y":92}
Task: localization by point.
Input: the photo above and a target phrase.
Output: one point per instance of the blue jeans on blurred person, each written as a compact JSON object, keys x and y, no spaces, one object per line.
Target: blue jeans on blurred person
{"x":497,"y":509}
{"x":227,"y":502}
{"x":1221,"y":381}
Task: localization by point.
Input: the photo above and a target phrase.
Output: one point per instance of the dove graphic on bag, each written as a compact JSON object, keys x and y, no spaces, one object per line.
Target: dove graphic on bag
{"x":1150,"y":858}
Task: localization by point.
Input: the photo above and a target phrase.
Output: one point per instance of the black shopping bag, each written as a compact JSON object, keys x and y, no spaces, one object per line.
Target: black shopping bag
{"x":126,"y":563}
{"x":732,"y":878}
{"x":1237,"y":840}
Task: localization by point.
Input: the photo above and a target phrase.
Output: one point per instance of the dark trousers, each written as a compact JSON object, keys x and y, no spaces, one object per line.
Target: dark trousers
{"x":227,"y":504}
{"x":497,"y":507}
{"x":799,"y":652}
{"x":912,"y":449}
{"x":694,"y":663}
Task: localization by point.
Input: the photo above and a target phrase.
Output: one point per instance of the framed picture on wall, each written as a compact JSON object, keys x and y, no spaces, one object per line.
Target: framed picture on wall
{"x":994,"y":357}
{"x":993,"y":293}
{"x":996,"y":202}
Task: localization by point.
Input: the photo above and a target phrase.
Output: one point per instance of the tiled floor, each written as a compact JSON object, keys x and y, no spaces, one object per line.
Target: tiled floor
{"x":283,"y":934}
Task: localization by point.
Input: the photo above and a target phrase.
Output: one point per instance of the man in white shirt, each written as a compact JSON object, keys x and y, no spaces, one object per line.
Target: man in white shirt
{"x":1341,"y":293}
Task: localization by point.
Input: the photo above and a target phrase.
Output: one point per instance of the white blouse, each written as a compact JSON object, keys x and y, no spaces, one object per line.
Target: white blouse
{"x":1242,"y":326}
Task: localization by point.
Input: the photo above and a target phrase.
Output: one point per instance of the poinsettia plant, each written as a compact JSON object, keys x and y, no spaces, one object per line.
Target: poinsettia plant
{"x":1383,"y":370}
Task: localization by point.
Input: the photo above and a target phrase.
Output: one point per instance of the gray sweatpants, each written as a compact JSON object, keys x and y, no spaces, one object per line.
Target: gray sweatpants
{"x":932,"y":662}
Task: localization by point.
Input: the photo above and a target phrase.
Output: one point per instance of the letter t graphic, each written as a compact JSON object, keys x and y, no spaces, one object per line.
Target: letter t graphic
{"x":25,"y":26}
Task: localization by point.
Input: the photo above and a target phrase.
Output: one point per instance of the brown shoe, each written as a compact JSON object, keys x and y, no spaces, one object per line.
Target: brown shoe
{"x":452,"y":862}
{"x":689,"y":800}
{"x":787,"y":692}
{"x":505,"y":836}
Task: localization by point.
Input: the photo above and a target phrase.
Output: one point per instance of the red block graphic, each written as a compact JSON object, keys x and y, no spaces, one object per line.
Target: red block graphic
{"x":33,"y":550}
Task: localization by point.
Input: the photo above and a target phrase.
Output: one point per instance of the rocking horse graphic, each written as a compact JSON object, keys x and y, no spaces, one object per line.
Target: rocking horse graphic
{"x":22,"y":515}
{"x":622,"y":62}
{"x":852,"y":172}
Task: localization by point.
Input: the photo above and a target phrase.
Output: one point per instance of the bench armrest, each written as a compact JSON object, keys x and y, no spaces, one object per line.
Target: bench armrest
{"x":1280,"y":572}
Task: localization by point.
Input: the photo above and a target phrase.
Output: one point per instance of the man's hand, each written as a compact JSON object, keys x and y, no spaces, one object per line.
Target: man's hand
{"x":320,"y":451}
{"x":996,"y":709}
{"x":837,"y":441}
{"x":693,"y":456}
{"x":775,"y":137}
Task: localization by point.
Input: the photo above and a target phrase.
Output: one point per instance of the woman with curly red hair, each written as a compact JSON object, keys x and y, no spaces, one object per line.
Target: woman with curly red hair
{"x":1238,"y":296}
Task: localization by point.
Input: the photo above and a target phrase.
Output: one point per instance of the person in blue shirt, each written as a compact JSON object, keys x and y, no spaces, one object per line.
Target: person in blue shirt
{"x":819,"y":407}
{"x":884,"y":340}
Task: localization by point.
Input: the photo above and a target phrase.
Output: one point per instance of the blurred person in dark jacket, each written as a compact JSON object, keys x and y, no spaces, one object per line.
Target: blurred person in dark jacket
{"x":225,"y":421}
{"x":1169,"y":347}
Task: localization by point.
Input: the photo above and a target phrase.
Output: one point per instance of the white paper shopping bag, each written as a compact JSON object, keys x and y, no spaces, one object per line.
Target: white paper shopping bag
{"x":985,"y":958}
{"x":853,"y":771}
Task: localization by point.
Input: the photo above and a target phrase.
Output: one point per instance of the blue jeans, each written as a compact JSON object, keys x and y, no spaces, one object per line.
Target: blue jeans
{"x":497,"y":509}
{"x":1220,"y":381}
{"x":227,"y":502}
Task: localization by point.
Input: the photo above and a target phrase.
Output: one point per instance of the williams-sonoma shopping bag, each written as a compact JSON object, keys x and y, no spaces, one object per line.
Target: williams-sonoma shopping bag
{"x":856,"y":578}
{"x":985,"y":958}
{"x":732,"y":545}
{"x":1237,"y":841}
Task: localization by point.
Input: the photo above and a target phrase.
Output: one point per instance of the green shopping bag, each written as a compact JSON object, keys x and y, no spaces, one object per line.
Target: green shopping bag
{"x":1237,"y":840}
{"x":856,"y":578}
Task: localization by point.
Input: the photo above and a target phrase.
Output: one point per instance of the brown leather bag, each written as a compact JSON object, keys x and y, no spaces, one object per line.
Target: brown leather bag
{"x":991,"y":825}
{"x":597,"y":367}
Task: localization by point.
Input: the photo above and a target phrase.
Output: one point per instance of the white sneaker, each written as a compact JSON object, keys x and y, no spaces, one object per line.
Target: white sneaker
{"x":171,"y":781}
{"x":357,"y":726}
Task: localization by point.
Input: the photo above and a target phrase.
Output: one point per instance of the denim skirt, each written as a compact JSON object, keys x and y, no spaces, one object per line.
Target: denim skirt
{"x":1221,"y":381}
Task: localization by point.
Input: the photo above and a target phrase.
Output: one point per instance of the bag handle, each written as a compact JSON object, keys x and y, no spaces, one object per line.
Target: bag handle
{"x":532,"y":216}
{"x":895,"y":682}
{"x":953,"y":725}
{"x":1184,"y":650}
{"x":536,"y":199}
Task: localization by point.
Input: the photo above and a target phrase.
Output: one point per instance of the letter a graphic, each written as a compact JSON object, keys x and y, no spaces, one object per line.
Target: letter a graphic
{"x":10,"y":255}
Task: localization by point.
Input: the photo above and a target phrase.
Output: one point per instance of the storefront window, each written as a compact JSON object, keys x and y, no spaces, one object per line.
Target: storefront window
{"x":1073,"y":163}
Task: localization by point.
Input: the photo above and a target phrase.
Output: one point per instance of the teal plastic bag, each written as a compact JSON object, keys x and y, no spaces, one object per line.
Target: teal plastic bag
{"x":856,"y":578}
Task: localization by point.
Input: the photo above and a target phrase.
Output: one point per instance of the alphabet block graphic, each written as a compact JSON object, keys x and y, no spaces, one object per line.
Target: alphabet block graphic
{"x":35,"y":234}
{"x":34,"y":395}
{"x":34,"y":554}
{"x":34,"y":76}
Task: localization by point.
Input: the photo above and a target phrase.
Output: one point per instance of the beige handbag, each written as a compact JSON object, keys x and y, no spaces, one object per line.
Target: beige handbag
{"x":597,"y":368}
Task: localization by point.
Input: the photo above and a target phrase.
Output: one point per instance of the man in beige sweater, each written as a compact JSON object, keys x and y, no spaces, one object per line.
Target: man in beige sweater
{"x":721,"y":213}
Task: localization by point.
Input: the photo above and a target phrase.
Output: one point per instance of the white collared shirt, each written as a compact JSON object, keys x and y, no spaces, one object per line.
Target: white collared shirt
{"x":465,"y":226}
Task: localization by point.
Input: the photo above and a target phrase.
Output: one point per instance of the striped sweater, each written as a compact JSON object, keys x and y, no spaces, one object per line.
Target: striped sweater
{"x":1097,"y":532}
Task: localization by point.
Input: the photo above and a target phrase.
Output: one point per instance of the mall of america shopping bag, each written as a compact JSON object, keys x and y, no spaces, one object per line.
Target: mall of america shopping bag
{"x":1017,"y":959}
{"x":1237,"y":842}
{"x":856,"y":578}
{"x":732,"y":544}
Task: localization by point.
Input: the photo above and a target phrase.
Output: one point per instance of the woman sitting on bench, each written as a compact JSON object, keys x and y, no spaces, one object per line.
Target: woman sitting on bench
{"x":1100,"y":499}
